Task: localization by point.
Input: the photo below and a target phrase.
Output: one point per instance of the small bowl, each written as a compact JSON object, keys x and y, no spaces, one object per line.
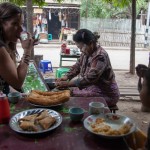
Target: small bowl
{"x":14,"y":97}
{"x":50,"y":83}
{"x":76,"y":113}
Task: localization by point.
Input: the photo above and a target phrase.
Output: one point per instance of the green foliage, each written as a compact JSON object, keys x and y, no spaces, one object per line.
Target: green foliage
{"x":23,"y":2}
{"x":40,"y":3}
{"x":20,"y":3}
{"x":118,"y":3}
{"x":110,"y":8}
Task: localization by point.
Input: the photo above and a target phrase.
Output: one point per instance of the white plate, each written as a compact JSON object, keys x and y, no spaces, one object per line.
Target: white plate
{"x":14,"y":124}
{"x":115,"y":121}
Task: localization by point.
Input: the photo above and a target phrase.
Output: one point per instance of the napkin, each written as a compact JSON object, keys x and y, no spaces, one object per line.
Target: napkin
{"x":136,"y":140}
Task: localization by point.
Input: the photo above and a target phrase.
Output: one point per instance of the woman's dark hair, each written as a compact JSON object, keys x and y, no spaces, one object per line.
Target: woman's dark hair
{"x":7,"y":11}
{"x":85,"y":36}
{"x":147,"y":77}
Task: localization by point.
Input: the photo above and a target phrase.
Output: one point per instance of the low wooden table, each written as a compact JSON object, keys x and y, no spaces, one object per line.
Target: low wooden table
{"x":68,"y":57}
{"x":68,"y":136}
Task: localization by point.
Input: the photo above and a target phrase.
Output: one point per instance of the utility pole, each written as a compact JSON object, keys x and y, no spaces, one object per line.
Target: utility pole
{"x":147,"y":26}
{"x":133,"y":38}
{"x":29,"y":13}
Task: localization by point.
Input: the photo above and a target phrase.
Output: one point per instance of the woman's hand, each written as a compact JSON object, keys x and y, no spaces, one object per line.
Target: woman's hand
{"x":27,"y":42}
{"x":62,"y":84}
{"x":64,"y":78}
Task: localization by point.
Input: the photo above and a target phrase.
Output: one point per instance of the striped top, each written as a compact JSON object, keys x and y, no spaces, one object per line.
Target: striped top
{"x":95,"y":70}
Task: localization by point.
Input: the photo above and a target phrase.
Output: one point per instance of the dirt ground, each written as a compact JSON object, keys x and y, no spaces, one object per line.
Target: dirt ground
{"x":131,"y":106}
{"x":128,"y":106}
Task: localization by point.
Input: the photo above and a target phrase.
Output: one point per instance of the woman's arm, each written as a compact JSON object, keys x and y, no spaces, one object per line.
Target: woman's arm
{"x":97,"y":67}
{"x":8,"y":71}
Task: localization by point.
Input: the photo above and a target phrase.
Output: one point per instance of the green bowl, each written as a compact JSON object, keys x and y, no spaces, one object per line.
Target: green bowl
{"x":14,"y":97}
{"x":76,"y":113}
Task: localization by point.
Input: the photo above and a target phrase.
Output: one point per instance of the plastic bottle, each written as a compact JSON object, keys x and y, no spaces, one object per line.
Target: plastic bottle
{"x":4,"y":109}
{"x":63,"y":48}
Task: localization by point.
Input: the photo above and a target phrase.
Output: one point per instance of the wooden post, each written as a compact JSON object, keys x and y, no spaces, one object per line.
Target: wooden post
{"x":133,"y":37}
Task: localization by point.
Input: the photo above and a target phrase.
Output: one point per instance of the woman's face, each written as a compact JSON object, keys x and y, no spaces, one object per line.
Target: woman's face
{"x":12,"y":28}
{"x":84,"y":48}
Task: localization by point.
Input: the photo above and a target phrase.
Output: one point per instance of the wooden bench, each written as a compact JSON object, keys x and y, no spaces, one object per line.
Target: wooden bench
{"x":128,"y":91}
{"x":125,"y":91}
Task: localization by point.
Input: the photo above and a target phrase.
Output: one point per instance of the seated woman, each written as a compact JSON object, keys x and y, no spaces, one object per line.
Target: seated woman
{"x":95,"y":76}
{"x":145,"y":92}
{"x":140,"y":71}
{"x":11,"y":73}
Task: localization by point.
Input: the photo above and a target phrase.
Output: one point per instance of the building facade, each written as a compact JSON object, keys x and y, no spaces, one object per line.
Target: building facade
{"x":54,"y":16}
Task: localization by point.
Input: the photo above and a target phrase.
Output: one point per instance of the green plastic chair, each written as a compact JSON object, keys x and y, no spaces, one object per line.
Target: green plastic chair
{"x":61,"y":72}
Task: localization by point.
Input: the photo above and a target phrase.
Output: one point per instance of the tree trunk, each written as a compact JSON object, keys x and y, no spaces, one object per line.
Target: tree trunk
{"x":86,"y":11}
{"x":133,"y":38}
{"x":30,"y":21}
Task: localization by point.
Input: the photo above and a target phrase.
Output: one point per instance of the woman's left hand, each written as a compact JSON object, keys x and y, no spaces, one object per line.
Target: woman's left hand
{"x":62,"y":84}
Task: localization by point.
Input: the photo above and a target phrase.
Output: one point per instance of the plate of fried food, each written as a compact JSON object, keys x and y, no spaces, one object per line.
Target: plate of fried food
{"x":47,"y":99}
{"x":35,"y":121}
{"x":109,"y":125}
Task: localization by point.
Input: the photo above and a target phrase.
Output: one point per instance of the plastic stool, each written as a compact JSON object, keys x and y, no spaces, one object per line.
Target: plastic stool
{"x":49,"y":36}
{"x":61,"y":72}
{"x":45,"y":65}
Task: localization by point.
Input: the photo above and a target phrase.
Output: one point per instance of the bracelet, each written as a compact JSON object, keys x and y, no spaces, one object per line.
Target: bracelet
{"x":26,"y":58}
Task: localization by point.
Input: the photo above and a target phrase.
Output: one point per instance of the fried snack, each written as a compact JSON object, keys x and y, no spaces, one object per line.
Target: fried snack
{"x":124,"y":129}
{"x":112,"y":132}
{"x":102,"y":129}
{"x":42,"y":115}
{"x":48,"y":98}
{"x":99,"y":126}
{"x":28,"y":126}
{"x":99,"y":120}
{"x":29,"y":118}
{"x":47,"y":93}
{"x":47,"y":122}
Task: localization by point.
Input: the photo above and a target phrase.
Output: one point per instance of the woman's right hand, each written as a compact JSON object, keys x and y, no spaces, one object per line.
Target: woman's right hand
{"x":64,"y":78}
{"x":27,"y":42}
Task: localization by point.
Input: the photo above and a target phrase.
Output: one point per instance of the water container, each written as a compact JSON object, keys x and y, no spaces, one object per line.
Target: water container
{"x":63,"y":48}
{"x":4,"y":109}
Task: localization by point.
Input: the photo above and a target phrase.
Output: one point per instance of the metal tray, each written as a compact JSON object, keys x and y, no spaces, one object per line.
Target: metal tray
{"x":14,"y":124}
{"x":42,"y":106}
{"x":115,"y":121}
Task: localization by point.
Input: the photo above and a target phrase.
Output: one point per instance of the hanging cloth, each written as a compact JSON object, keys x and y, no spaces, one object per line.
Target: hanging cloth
{"x":59,"y":14}
{"x":49,"y":15}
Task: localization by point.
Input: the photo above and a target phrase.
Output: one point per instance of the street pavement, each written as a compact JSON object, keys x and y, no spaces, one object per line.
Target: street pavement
{"x":119,"y":56}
